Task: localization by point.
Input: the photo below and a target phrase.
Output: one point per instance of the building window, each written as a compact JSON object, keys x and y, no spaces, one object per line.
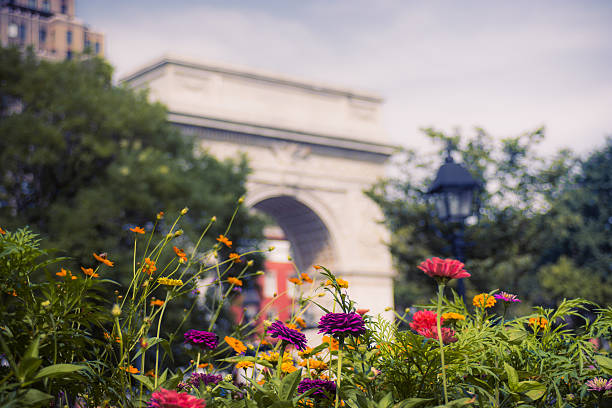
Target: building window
{"x":22,"y":32}
{"x":13,"y":30}
{"x":42,"y":35}
{"x":46,"y":6}
{"x":69,"y":37}
{"x":97,"y":47}
{"x":64,"y":7}
{"x":32,"y":4}
{"x":69,"y":55}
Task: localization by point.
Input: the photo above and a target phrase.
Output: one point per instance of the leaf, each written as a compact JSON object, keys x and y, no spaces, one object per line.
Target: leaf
{"x":461,"y":402}
{"x":289,"y":384}
{"x":386,"y":401}
{"x":145,"y":380}
{"x":412,"y":402}
{"x":35,"y":397}
{"x":605,"y":363}
{"x":512,"y":377}
{"x":27,"y":366}
{"x":533,"y":389}
{"x":58,"y":370}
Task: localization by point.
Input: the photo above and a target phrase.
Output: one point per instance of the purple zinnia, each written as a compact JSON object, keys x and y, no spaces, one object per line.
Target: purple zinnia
{"x":295,"y":337}
{"x":506,"y":297}
{"x":324,"y":388}
{"x":342,"y":324}
{"x":201,"y":338}
{"x":599,"y":384}
{"x":198,"y":379}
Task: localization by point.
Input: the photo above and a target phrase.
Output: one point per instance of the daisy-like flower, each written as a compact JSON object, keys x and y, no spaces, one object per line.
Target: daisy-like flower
{"x":314,"y":364}
{"x":506,"y":297}
{"x":342,"y":324}
{"x":484,"y":300}
{"x":62,"y":273}
{"x":424,"y":319}
{"x":2,"y":232}
{"x":180,"y":253}
{"x":295,"y":281}
{"x":102,"y":258}
{"x":236,"y":344}
{"x":317,"y":267}
{"x":290,"y":336}
{"x":157,"y":302}
{"x":234,"y":281}
{"x":452,"y":316}
{"x":443,"y":269}
{"x":305,"y":277}
{"x":201,"y":339}
{"x":131,"y":369}
{"x":288,"y":367}
{"x":170,"y":282}
{"x":89,"y":272}
{"x":223,"y":239}
{"x":300,"y":322}
{"x":171,"y":399}
{"x":334,"y":344}
{"x":599,"y":384}
{"x":137,"y":230}
{"x":325,"y":389}
{"x":342,"y":283}
{"x":149,"y":266}
{"x":235,"y":257}
{"x":244,"y":364}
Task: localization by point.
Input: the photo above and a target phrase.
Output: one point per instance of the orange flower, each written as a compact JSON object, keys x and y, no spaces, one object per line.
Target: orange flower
{"x":333,"y":343}
{"x":157,"y":302}
{"x":300,"y":321}
{"x":223,"y":239}
{"x":2,"y":232}
{"x":342,"y":283}
{"x":264,"y":342}
{"x":317,"y":267}
{"x":137,"y":230}
{"x":150,"y":373}
{"x":484,"y":300}
{"x":292,"y":326}
{"x":180,"y":253}
{"x":62,"y":272}
{"x":149,"y":266}
{"x":296,"y":281}
{"x":306,"y":278}
{"x":160,"y":215}
{"x":538,"y":322}
{"x":14,"y":293}
{"x":131,"y":369}
{"x":261,"y":382}
{"x":234,"y":281}
{"x":102,"y":258}
{"x":235,"y":257}
{"x":89,"y":272}
{"x":362,"y":311}
{"x":236,"y":344}
{"x":244,"y":364}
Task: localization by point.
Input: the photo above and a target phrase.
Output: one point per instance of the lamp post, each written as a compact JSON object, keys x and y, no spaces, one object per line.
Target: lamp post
{"x":453,"y":194}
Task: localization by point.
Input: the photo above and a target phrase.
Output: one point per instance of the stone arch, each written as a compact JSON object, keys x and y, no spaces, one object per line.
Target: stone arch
{"x":305,"y":223}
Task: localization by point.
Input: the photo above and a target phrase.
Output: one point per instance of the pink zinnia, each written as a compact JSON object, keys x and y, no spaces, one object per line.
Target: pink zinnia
{"x":444,"y":268}
{"x":424,"y":319}
{"x":448,"y":335}
{"x":172,"y":399}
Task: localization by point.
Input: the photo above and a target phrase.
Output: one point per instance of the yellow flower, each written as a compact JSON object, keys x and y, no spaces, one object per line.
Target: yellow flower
{"x":314,"y":364}
{"x":300,"y":321}
{"x":137,"y":230}
{"x":305,"y":277}
{"x":102,"y":258}
{"x":236,"y":344}
{"x":296,"y":281}
{"x":90,"y":272}
{"x":170,"y":282}
{"x":288,"y":367}
{"x":453,"y":316}
{"x":223,"y":239}
{"x":484,"y":299}
{"x":342,"y":283}
{"x":234,"y":281}
{"x":244,"y":364}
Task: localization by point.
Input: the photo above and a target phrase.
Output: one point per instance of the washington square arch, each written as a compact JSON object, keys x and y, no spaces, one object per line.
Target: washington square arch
{"x":313,"y":149}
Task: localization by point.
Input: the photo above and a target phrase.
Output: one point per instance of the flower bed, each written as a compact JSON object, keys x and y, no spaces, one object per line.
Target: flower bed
{"x":66,"y":341}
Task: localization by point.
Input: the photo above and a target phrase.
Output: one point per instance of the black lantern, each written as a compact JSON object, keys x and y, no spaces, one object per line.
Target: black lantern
{"x":453,"y":191}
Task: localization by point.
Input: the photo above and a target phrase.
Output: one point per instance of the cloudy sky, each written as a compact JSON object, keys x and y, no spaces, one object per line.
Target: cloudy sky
{"x":507,"y":66}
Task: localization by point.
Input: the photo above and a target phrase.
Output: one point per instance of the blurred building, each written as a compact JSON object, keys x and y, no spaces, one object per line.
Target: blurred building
{"x":50,"y":27}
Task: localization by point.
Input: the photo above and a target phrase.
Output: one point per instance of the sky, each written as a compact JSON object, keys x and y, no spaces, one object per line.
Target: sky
{"x":506,"y":66}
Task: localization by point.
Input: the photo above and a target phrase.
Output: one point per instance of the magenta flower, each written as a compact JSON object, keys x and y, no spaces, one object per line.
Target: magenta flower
{"x":444,"y":269}
{"x":197,"y":379}
{"x":291,"y":336}
{"x":172,"y":399}
{"x":507,"y":297}
{"x":201,"y":339}
{"x":448,"y":334}
{"x":342,"y":324}
{"x":324,"y":388}
{"x":424,"y":319}
{"x":599,"y":384}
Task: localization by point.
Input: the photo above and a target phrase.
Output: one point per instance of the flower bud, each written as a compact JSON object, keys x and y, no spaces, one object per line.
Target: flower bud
{"x":289,"y":258}
{"x":241,"y":200}
{"x":46,"y":303}
{"x":388,"y":308}
{"x":214,"y":218}
{"x":228,"y":378}
{"x":271,"y":249}
{"x":250,"y":262}
{"x":259,"y":273}
{"x":169,"y":235}
{"x":116,"y":310}
{"x":178,"y":233}
{"x":321,"y":294}
{"x":184,"y":211}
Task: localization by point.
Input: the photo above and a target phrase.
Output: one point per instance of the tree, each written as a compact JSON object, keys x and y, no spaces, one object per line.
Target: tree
{"x":82,"y":161}
{"x":524,"y":223}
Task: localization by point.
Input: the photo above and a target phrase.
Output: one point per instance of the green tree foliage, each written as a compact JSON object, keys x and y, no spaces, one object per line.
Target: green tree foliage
{"x":83,"y":160}
{"x":543,"y":227}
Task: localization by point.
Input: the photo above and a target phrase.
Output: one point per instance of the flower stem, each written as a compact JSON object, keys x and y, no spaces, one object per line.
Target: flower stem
{"x":339,"y":375}
{"x":195,"y":370}
{"x":281,"y":354}
{"x":439,"y":327}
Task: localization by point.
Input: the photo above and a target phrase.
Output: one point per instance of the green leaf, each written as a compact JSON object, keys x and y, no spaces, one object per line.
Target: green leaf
{"x":461,"y":402}
{"x":26,"y":367}
{"x":533,"y":389}
{"x":289,"y":384}
{"x":604,"y":363}
{"x":34,"y":397}
{"x":413,"y":402}
{"x":512,"y":377}
{"x":58,"y":370}
{"x":145,"y":380}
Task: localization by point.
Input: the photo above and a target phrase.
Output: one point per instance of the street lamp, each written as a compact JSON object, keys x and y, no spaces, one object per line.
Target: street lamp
{"x":453,"y":193}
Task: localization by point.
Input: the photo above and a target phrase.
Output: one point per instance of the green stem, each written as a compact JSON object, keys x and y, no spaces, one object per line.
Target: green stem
{"x":197,"y":363}
{"x":339,"y":374}
{"x":161,"y":315}
{"x":439,"y":326}
{"x":281,"y":354}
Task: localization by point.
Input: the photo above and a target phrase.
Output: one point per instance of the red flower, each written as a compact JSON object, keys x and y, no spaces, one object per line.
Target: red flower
{"x":444,"y":268}
{"x":424,"y":319}
{"x":448,"y":335}
{"x":172,"y":399}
